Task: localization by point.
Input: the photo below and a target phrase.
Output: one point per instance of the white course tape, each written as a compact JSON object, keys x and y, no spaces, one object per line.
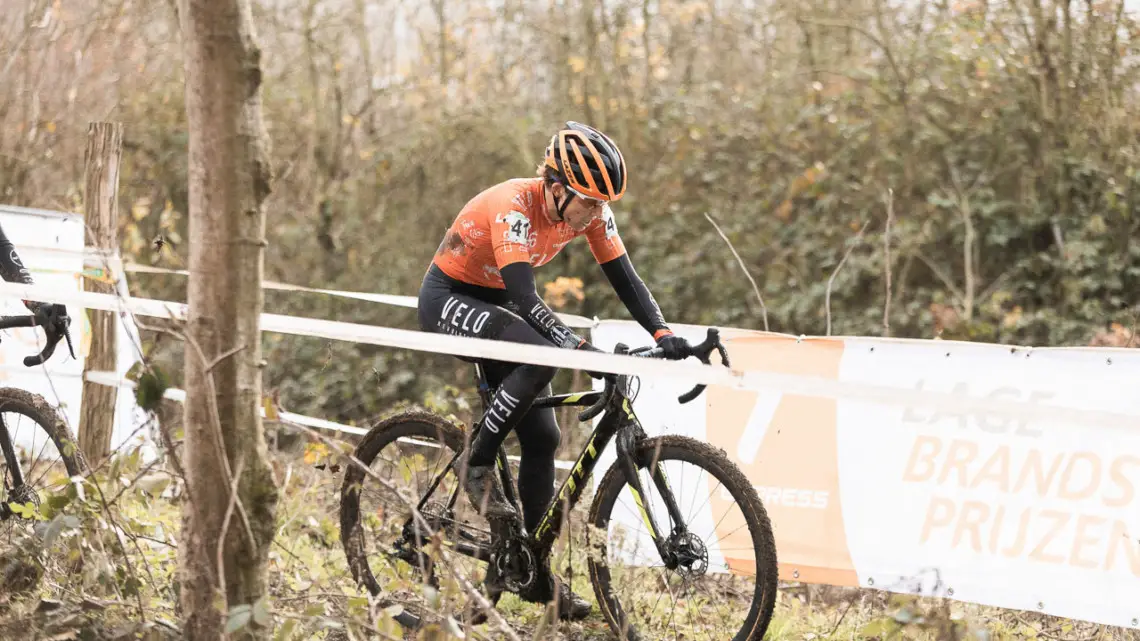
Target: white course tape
{"x":689,"y":371}
{"x":389,"y":299}
{"x":111,"y":379}
{"x":102,"y":259}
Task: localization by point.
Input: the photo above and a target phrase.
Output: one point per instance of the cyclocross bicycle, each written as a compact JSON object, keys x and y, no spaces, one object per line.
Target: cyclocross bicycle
{"x":44,"y":455}
{"x":667,"y":564}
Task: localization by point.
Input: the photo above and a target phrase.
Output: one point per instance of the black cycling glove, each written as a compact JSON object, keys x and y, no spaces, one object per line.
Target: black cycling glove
{"x":675,"y":347}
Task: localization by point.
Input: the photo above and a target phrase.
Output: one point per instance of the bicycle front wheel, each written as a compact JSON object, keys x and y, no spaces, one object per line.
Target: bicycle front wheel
{"x":721,"y":580}
{"x":39,"y":450}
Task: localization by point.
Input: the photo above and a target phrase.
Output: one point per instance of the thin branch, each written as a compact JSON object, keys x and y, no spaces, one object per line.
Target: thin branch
{"x":968,"y":256}
{"x":991,"y":289}
{"x":218,"y":441}
{"x":831,"y":281}
{"x":154,"y":540}
{"x":877,"y":40}
{"x":163,"y":427}
{"x":743,"y":268}
{"x":292,"y":555}
{"x":141,"y":473}
{"x":223,"y":357}
{"x":841,"y":617}
{"x":1132,"y":332}
{"x":226,"y":526}
{"x":941,"y":275}
{"x":881,"y":41}
{"x":1059,"y":239}
{"x":216,"y":432}
{"x":123,"y":548}
{"x":445,"y":556}
{"x":887,"y":260}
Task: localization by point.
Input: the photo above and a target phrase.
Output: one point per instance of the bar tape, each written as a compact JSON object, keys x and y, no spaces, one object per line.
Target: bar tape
{"x":689,"y":371}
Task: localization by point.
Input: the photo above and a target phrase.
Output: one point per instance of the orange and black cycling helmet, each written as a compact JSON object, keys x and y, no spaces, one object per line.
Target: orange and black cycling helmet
{"x":587,"y":161}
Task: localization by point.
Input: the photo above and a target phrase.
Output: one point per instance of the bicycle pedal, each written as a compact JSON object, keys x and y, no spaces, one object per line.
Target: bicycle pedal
{"x":494,"y":592}
{"x":401,"y":554}
{"x":492,"y":589}
{"x":477,"y":614}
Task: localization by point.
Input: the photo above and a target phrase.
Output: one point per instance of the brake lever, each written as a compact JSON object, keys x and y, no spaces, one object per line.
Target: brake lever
{"x":62,"y":324}
{"x":70,"y":349}
{"x":55,"y":328}
{"x":702,"y":351}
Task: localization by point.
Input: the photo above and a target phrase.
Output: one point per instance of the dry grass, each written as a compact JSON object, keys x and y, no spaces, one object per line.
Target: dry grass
{"x":85,"y":593}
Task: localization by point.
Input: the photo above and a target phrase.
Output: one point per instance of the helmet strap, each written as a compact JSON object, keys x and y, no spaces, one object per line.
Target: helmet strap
{"x":562,"y":207}
{"x":566,"y":202}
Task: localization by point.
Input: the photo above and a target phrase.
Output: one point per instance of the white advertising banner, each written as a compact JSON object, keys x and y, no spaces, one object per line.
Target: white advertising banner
{"x":51,"y":247}
{"x":1026,"y":514}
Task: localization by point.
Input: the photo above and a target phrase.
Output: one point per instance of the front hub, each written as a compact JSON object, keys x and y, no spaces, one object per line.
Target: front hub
{"x":689,"y":555}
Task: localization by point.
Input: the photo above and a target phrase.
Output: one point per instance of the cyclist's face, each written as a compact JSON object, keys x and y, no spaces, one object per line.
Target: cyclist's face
{"x":581,"y":211}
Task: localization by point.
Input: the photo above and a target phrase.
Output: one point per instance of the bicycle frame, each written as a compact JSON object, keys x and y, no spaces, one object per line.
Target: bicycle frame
{"x":618,"y":420}
{"x":10,"y":458}
{"x":572,"y":488}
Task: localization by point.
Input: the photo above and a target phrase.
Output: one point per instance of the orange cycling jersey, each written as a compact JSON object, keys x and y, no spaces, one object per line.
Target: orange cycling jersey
{"x":507,"y":223}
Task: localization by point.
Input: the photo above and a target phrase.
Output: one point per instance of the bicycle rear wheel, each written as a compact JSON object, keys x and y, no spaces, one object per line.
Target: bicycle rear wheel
{"x":39,"y":442}
{"x":723,"y":583}
{"x":405,"y":454}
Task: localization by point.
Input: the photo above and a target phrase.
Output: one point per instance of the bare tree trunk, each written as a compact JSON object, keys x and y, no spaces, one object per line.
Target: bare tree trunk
{"x":229,"y":522}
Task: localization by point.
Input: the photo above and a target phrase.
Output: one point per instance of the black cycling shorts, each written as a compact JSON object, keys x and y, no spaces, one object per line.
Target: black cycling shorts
{"x":453,"y":307}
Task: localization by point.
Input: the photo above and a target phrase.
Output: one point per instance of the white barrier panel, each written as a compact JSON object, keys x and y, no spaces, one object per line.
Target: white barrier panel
{"x":51,"y":247}
{"x":1010,"y":512}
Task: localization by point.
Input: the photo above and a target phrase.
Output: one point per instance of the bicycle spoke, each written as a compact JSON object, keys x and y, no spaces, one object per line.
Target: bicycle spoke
{"x":29,"y":476}
{"x":32,"y":429}
{"x":410,"y":464}
{"x":707,"y":598}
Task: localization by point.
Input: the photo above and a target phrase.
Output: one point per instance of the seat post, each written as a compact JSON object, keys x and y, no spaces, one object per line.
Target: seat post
{"x":482,"y":386}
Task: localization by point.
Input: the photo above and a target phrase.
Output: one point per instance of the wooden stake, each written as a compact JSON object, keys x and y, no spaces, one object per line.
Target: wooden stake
{"x":100,"y":216}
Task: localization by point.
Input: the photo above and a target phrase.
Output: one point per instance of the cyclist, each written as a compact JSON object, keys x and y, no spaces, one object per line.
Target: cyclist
{"x":481,"y":284}
{"x":12,"y":270}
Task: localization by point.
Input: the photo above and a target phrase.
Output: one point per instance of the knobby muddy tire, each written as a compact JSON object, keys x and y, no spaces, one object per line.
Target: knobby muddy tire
{"x":412,"y":423}
{"x":715,"y":462}
{"x":49,"y":420}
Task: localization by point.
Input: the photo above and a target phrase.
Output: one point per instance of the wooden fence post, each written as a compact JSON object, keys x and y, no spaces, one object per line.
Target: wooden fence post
{"x":101,"y":218}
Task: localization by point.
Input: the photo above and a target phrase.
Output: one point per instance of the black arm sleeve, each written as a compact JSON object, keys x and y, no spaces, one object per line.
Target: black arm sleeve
{"x":11,"y":267}
{"x":519,"y":279}
{"x":633,"y":292}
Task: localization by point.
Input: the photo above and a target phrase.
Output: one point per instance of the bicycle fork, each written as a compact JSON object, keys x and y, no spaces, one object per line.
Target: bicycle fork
{"x":14,"y":471}
{"x":627,"y":439}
